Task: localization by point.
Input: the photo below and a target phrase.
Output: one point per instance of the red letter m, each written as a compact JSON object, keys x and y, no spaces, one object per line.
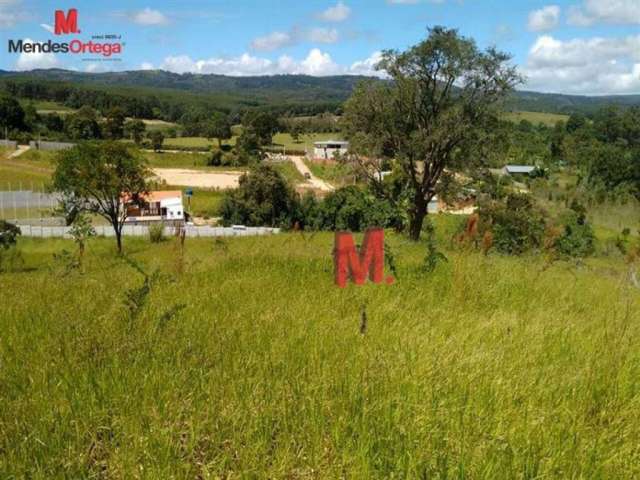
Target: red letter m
{"x":66,"y":24}
{"x":368,"y":263}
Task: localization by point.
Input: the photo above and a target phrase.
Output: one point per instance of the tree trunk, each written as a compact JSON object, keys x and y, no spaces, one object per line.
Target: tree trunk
{"x":119,"y":240}
{"x":416,"y":217}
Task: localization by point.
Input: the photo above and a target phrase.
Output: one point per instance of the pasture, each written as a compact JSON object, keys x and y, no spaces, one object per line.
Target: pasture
{"x":239,"y":358}
{"x":547,"y":119}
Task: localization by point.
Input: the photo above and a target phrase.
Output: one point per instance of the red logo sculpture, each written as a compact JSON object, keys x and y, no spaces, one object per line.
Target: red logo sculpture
{"x":369,"y":262}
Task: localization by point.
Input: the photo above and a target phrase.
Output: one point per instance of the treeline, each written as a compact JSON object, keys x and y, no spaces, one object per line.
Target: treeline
{"x":151,"y":103}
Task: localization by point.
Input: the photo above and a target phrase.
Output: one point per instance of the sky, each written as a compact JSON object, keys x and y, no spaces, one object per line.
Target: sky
{"x":566,"y":46}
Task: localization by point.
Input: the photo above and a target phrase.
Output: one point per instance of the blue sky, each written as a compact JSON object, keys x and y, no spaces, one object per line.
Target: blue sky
{"x":568,"y":46}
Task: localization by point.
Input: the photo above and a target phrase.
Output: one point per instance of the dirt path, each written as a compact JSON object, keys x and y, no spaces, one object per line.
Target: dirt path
{"x":312,"y":181}
{"x":20,"y":150}
{"x":198,"y":178}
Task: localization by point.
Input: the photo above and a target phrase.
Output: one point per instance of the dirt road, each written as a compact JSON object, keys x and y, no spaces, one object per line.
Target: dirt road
{"x":198,"y":178}
{"x":19,"y":151}
{"x":312,"y":181}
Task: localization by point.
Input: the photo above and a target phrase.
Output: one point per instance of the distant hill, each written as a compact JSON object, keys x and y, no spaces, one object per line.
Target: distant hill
{"x":282,"y":92}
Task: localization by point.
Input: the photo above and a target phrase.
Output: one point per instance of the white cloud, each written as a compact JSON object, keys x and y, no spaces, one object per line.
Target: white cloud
{"x":11,"y":13}
{"x":338,"y":13}
{"x":146,"y":66}
{"x":323,"y":35}
{"x":148,"y":17}
{"x":47,"y":27}
{"x":584,"y":66}
{"x":95,"y":67}
{"x":368,"y":65}
{"x":544,"y":19}
{"x":276,"y":40}
{"x":30,"y":61}
{"x":620,"y":12}
{"x":317,"y":63}
{"x":272,"y":41}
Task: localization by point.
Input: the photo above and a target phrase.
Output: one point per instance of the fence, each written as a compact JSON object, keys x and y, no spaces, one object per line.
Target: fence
{"x":9,"y":143}
{"x":42,"y":231}
{"x":45,"y":145}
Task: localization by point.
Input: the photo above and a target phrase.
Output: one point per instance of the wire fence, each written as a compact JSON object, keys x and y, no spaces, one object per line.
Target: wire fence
{"x":19,"y":201}
{"x":41,"y":231}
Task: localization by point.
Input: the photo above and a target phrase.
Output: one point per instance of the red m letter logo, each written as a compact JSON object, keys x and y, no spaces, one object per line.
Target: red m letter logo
{"x":368,"y":263}
{"x":66,"y":24}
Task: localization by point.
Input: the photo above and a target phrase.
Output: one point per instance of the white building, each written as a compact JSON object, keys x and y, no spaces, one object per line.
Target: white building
{"x":518,"y":169}
{"x":156,"y":207}
{"x":327,"y":149}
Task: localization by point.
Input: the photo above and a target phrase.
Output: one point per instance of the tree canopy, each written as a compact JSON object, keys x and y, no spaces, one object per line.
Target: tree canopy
{"x":442,"y":98}
{"x":98,"y":176}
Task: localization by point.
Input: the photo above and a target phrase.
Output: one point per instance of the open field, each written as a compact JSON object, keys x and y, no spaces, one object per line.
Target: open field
{"x":280,"y":140}
{"x":335,"y":173}
{"x":548,"y":119}
{"x":31,"y":170}
{"x":197,"y":178}
{"x":250,"y":363}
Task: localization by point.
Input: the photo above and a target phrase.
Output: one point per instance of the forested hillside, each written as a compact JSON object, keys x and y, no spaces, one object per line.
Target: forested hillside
{"x":166,"y":95}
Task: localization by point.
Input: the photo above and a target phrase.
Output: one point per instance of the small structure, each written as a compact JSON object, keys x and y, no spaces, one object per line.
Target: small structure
{"x":157,"y":206}
{"x":518,"y":170}
{"x":50,"y":146}
{"x":327,"y":149}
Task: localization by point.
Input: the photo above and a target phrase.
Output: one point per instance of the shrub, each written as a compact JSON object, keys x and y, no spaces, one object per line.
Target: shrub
{"x":156,"y":233}
{"x":263,"y":198}
{"x":576,"y":238}
{"x":351,"y":208}
{"x":8,"y":239}
{"x":8,"y":234}
{"x":517,"y":224}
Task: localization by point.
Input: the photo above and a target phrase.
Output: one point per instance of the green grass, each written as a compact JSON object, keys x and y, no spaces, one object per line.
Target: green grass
{"x":204,"y":202}
{"x":177,"y":160}
{"x":491,"y":367}
{"x":289,"y":171}
{"x":336,"y":174}
{"x":31,"y":170}
{"x":548,"y":119}
{"x":279,"y":140}
{"x":305,"y":141}
{"x":44,"y":106}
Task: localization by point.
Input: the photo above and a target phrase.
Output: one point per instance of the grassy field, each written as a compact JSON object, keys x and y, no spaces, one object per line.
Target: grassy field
{"x":280,"y":140}
{"x":548,"y":119}
{"x":305,"y":142}
{"x":244,"y":361}
{"x":31,"y":170}
{"x":44,"y":106}
{"x":334,"y":173}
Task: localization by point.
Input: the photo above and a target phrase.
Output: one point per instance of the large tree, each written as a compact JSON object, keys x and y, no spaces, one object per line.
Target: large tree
{"x":219,"y":127}
{"x":114,"y":123}
{"x":11,"y":114}
{"x":98,"y":176}
{"x":433,"y":112}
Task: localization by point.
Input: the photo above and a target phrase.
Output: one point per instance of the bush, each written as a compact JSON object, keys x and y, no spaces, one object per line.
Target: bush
{"x":577,"y":239}
{"x":516,"y":224}
{"x":351,"y":208}
{"x":8,"y":238}
{"x":156,"y":233}
{"x":8,"y":234}
{"x":263,"y":198}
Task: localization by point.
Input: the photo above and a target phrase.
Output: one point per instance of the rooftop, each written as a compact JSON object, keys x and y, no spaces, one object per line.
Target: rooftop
{"x":160,"y":195}
{"x":519,"y":168}
{"x":331,"y":142}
